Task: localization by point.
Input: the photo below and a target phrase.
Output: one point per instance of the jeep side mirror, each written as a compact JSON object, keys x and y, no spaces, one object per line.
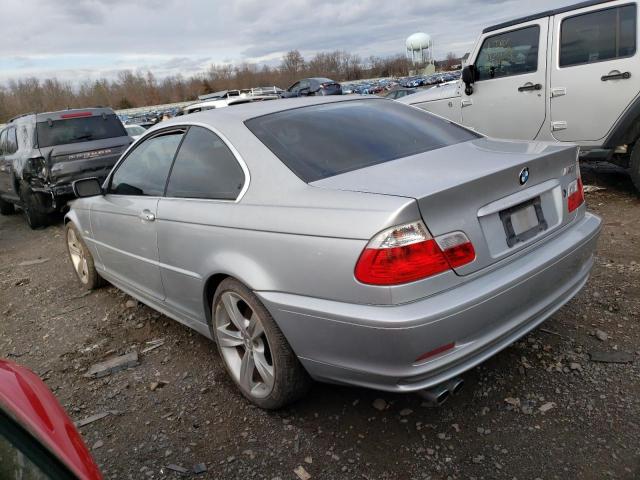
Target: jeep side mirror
{"x":87,"y":187}
{"x":469,"y":77}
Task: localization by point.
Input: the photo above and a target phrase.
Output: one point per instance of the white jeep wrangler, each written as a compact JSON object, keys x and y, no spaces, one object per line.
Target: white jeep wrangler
{"x":565,"y":75}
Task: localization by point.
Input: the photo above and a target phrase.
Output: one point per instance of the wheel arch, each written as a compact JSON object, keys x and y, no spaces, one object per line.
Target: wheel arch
{"x":627,"y":128}
{"x":210,"y":286}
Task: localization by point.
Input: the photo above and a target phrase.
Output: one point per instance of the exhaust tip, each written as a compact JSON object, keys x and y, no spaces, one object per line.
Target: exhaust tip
{"x":455,"y":387}
{"x":435,"y":396}
{"x":444,"y":395}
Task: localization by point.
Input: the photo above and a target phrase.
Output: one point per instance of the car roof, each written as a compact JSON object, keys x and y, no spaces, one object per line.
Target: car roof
{"x":546,"y":13}
{"x":241,"y":113}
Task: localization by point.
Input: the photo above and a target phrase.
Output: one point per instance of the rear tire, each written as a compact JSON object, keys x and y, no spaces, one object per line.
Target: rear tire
{"x":6,"y":208}
{"x":634,"y":165}
{"x":33,"y":206}
{"x":81,"y":259}
{"x":254,"y":351}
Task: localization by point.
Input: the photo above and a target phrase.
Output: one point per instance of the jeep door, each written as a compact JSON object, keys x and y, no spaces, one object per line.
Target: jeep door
{"x":595,"y":70}
{"x":508,"y":99}
{"x":123,"y":220}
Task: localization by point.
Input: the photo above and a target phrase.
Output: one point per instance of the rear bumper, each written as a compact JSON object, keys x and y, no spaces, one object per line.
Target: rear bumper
{"x":377,"y":346}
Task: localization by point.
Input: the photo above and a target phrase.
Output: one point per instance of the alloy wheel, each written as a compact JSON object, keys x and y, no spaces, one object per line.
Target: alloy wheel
{"x":76,"y":252}
{"x":244,"y":345}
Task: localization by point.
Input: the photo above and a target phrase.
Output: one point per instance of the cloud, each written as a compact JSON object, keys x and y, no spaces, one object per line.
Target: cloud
{"x":41,"y":37}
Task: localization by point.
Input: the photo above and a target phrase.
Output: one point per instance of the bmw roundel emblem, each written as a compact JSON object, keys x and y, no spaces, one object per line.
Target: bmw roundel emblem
{"x":524,"y":175}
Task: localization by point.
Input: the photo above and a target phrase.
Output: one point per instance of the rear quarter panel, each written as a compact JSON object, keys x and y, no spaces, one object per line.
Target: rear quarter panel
{"x":309,"y":247}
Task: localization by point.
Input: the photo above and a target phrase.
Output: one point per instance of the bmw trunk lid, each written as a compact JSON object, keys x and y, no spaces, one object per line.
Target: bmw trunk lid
{"x":504,"y":195}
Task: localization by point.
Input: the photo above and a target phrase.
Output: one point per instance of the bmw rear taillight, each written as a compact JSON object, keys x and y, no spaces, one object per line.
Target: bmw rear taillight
{"x":457,"y":249}
{"x":575,"y":192}
{"x":408,"y":253}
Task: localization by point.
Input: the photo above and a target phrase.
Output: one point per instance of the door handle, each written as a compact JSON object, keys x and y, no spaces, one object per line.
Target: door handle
{"x":616,"y":75}
{"x":147,"y":215}
{"x":528,"y":87}
{"x":466,"y":103}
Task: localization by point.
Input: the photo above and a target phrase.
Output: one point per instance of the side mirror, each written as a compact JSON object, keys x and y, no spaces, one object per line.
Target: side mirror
{"x":469,"y":77}
{"x":87,"y":187}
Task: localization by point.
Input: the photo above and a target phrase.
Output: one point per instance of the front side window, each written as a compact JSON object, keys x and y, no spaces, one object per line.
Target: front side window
{"x":145,"y":170}
{"x":508,"y":54}
{"x":295,"y":87}
{"x":320,"y":141}
{"x":598,"y":36}
{"x":205,"y":168}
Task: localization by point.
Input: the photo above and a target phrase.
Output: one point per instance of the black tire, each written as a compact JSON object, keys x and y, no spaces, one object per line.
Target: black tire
{"x":90,"y":279}
{"x":6,"y":208}
{"x":33,"y":206}
{"x":634,"y":166}
{"x":291,"y":381}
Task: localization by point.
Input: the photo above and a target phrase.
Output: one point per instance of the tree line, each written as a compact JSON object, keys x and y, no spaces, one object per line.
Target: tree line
{"x":137,"y":89}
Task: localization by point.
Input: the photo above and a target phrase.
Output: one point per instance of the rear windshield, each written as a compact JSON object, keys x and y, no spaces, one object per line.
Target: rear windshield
{"x":75,"y":130}
{"x":321,"y":141}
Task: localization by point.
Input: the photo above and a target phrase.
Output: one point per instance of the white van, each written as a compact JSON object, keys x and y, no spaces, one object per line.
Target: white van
{"x":565,"y":75}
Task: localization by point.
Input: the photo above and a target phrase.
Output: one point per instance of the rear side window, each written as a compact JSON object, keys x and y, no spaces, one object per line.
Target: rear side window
{"x":11,"y":143}
{"x":598,"y":36}
{"x":83,"y":129}
{"x":145,"y":170}
{"x":508,"y":54}
{"x":3,"y":142}
{"x":320,"y":141}
{"x":205,"y":168}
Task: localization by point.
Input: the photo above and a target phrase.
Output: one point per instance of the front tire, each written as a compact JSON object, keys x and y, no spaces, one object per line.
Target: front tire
{"x":33,"y":205}
{"x":254,"y":351}
{"x":634,"y":165}
{"x":81,"y":259}
{"x":6,"y":208}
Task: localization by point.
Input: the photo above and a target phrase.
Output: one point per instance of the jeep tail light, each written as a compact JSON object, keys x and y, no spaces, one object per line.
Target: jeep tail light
{"x":407,"y":253}
{"x":575,"y":192}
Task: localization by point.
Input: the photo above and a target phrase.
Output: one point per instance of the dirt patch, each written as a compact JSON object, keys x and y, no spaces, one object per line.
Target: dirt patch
{"x":540,"y":409}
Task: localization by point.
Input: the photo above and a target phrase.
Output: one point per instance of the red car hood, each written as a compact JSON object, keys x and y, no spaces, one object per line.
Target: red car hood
{"x":24,"y":397}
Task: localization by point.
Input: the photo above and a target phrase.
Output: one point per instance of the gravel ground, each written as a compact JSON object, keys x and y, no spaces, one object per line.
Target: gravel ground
{"x":540,"y":409}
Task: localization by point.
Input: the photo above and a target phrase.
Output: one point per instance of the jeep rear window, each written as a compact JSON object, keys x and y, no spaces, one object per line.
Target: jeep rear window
{"x":75,"y":130}
{"x":321,"y":141}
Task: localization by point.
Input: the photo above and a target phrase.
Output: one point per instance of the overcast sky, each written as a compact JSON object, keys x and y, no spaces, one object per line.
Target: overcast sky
{"x":80,"y":39}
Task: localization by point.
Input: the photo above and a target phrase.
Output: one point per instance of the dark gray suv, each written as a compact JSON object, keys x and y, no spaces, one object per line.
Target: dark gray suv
{"x":41,"y":154}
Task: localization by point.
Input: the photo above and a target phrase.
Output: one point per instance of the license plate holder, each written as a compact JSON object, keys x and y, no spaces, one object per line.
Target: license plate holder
{"x":523,"y":221}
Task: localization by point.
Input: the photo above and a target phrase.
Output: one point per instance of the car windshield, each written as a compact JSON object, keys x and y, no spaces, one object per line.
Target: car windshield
{"x":74,"y":130}
{"x":321,"y":141}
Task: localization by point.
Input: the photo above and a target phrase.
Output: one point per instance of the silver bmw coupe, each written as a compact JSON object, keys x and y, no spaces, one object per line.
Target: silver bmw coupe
{"x":348,"y":240}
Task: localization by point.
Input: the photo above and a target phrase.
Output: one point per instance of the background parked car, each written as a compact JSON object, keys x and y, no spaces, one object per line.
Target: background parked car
{"x":568,"y":75}
{"x":400,"y":92}
{"x":135,"y":131}
{"x":313,"y":86}
{"x":41,"y":154}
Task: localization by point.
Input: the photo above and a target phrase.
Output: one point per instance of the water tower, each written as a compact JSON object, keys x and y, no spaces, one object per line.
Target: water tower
{"x":420,"y":52}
